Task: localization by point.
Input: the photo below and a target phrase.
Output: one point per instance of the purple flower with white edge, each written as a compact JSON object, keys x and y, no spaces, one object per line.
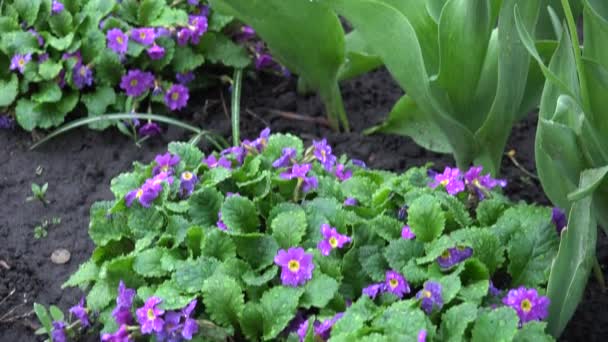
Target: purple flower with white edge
{"x":350,"y":202}
{"x":213,"y":162}
{"x":322,"y":152}
{"x":124,"y":301}
{"x":118,"y":41}
{"x":144,"y":35}
{"x":373,"y":290}
{"x":451,"y":179}
{"x":453,"y":256}
{"x":288,"y":155}
{"x":422,"y":335}
{"x":331,"y":239}
{"x":188,"y":181}
{"x":80,"y":312}
{"x":430,"y":297}
{"x":6,"y":122}
{"x":136,"y":82}
{"x":481,"y":184}
{"x":396,"y":284}
{"x":58,"y":332}
{"x":559,"y":219}
{"x":165,"y":163}
{"x":323,"y":330}
{"x":407,"y":234}
{"x":56,"y":7}
{"x":121,"y":335}
{"x":156,"y":52}
{"x":177,"y":97}
{"x":150,"y":129}
{"x":341,"y":173}
{"x":149,"y":316}
{"x":296,"y":266}
{"x":184,"y":77}
{"x":302,"y":330}
{"x":528,"y":304}
{"x":82,"y":76}
{"x":220,"y":223}
{"x":19,"y":62}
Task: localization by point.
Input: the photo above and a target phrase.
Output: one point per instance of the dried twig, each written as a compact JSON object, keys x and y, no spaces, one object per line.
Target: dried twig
{"x":511,"y":155}
{"x":4,"y":265}
{"x":7,"y":296}
{"x":300,"y":117}
{"x":224,"y":105}
{"x":255,"y":115}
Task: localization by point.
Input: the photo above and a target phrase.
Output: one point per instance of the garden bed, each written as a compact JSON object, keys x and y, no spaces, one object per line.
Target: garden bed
{"x":79,"y":166}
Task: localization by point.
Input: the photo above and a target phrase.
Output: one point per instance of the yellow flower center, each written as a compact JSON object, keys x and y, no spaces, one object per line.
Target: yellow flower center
{"x":393,"y":283}
{"x":21,"y":62}
{"x":444,"y":182}
{"x":526,"y":305}
{"x":445,"y":254}
{"x":187,"y":175}
{"x":139,"y":193}
{"x":134,"y":82}
{"x":175,"y":96}
{"x":142,"y":35}
{"x":150,"y":314}
{"x":120,"y":40}
{"x":427,"y":293}
{"x":83,"y":71}
{"x":476,"y":183}
{"x":294,"y":266}
{"x":333,"y":242}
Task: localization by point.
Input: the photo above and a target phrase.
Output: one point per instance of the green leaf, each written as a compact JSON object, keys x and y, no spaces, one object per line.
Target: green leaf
{"x":147,"y":263}
{"x":486,"y":246}
{"x":172,"y":296}
{"x":185,"y":59}
{"x":8,"y":91}
{"x":61,"y":23}
{"x":204,"y":206}
{"x":393,"y":318}
{"x":149,"y":10}
{"x":251,"y":278}
{"x":278,"y":306}
{"x":188,"y":153}
{"x":277,"y":142}
{"x":219,"y":49}
{"x":400,"y":252}
{"x":28,"y":10}
{"x":12,"y":43}
{"x":240,"y":215}
{"x":27,"y":114}
{"x":100,"y":295}
{"x":218,"y":244}
{"x":425,"y":218}
{"x":360,"y":188}
{"x":60,"y":44}
{"x":250,"y":321}
{"x":56,"y":313}
{"x":97,"y":104}
{"x":319,"y":291}
{"x":454,"y":322}
{"x":475,"y":292}
{"x":355,"y":316}
{"x":104,"y":228}
{"x":145,"y":221}
{"x":218,"y":21}
{"x":171,"y":17}
{"x":490,"y":210}
{"x":215,"y":176}
{"x":224,"y":300}
{"x":125,"y":182}
{"x":108,"y":69}
{"x":48,"y":70}
{"x":258,"y":251}
{"x":190,"y":275}
{"x":496,"y":325}
{"x":450,"y":285}
{"x":533,"y":332}
{"x":373,"y":262}
{"x":43,"y":317}
{"x":288,"y":228}
{"x":387,"y":227}
{"x":86,"y":273}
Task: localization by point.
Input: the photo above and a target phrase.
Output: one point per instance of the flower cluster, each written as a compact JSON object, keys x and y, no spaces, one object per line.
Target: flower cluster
{"x":321,"y":330}
{"x":394,"y":283}
{"x":455,"y":182}
{"x":61,"y":329}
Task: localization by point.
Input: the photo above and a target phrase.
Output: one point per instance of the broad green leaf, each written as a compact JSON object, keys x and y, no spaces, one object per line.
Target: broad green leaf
{"x":145,"y":221}
{"x":188,"y":153}
{"x":150,"y":10}
{"x":108,"y":69}
{"x":490,"y":210}
{"x":103,"y":227}
{"x":48,"y":70}
{"x":86,"y":273}
{"x":205,"y":205}
{"x":218,"y":244}
{"x":450,"y":285}
{"x":251,"y":278}
{"x":8,"y":90}
{"x":28,"y":10}
{"x":278,"y":308}
{"x":355,"y":316}
{"x":27,"y":114}
{"x":495,"y":325}
{"x":171,"y":17}
{"x":250,"y":321}
{"x":240,"y":215}
{"x":475,"y":292}
{"x":172,"y":296}
{"x":277,"y":142}
{"x":259,"y":251}
{"x":100,"y":295}
{"x":400,"y":252}
{"x":425,"y":218}
{"x":393,"y":318}
{"x":219,"y":49}
{"x":319,"y":291}
{"x":386,"y":227}
{"x":97,"y":104}
{"x":62,"y":43}
{"x":373,"y":262}
{"x":43,"y":316}
{"x":455,"y":321}
{"x":223,"y":299}
{"x":148,"y":263}
{"x":56,"y":313}
{"x":359,"y":59}
{"x":190,"y":275}
{"x":533,"y":331}
{"x":486,"y":246}
{"x":185,"y":59}
{"x":288,"y":228}
{"x":594,"y":178}
{"x":18,"y":42}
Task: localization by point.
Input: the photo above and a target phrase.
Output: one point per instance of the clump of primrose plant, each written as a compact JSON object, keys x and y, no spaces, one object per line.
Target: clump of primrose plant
{"x":269,"y":240}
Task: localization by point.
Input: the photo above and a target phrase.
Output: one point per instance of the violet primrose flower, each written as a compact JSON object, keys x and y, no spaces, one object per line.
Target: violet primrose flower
{"x":453,"y":256}
{"x":150,"y":129}
{"x":296,"y":266}
{"x":80,"y":312}
{"x":342,"y":174}
{"x":156,"y":52}
{"x":18,"y":62}
{"x":323,"y":330}
{"x":6,"y":122}
{"x":179,"y":324}
{"x":177,"y":97}
{"x":149,"y":316}
{"x":300,"y":172}
{"x":481,"y":184}
{"x":373,"y":290}
{"x":493,"y":290}
{"x":559,"y":219}
{"x":183,"y":36}
{"x":149,"y":191}
{"x":396,"y":284}
{"x":238,"y":152}
{"x":350,"y":201}
{"x":165,"y":163}
{"x":124,"y":301}
{"x":528,"y":304}
{"x":38,"y":37}
{"x":185,"y":77}
{"x":331,"y":239}
{"x":144,"y":35}
{"x":260,"y":143}
{"x":121,"y":335}
{"x":58,"y":332}
{"x":430,"y":297}
{"x":220,"y":223}
{"x":322,"y":152}
{"x":188,"y":181}
{"x":422,"y":335}
{"x":82,"y":76}
{"x":117,"y":41}
{"x":56,"y":7}
{"x":302,"y":330}
{"x":136,"y":82}
{"x":213,"y":162}
{"x":288,"y":155}
{"x":451,"y":179}
{"x":407,"y":234}
{"x":198,"y":26}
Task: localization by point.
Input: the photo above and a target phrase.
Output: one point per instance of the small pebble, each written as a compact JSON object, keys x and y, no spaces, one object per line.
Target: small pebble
{"x":60,"y":256}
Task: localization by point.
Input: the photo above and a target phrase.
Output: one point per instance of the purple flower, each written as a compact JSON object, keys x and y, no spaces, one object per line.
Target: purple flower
{"x":149,"y":316}
{"x":43,"y":58}
{"x":422,"y":335}
{"x":38,"y":37}
{"x":528,"y":304}
{"x":165,"y":163}
{"x":331,"y":239}
{"x":220,"y":223}
{"x":144,"y":36}
{"x":198,"y":26}
{"x":493,"y":290}
{"x":350,"y":201}
{"x":82,"y":76}
{"x":149,"y":191}
{"x":177,"y":97}
{"x":263,"y":61}
{"x":407,"y":234}
{"x":260,"y":143}
{"x":183,"y":36}
{"x":6,"y":122}
{"x":323,"y":330}
{"x":453,"y":256}
{"x":156,"y":52}
{"x":117,"y":41}
{"x":56,"y":7}
{"x":179,"y":324}
{"x":238,"y":152}
{"x":296,"y":266}
{"x":396,"y":284}
{"x":212,"y":162}
{"x":359,"y":163}
{"x":288,"y":155}
{"x":58,"y":332}
{"x":124,"y":301}
{"x":373,"y":290}
{"x":451,"y":179}
{"x":80,"y":312}
{"x":150,"y":129}
{"x":185,"y":77}
{"x":121,"y":335}
{"x":300,"y":172}
{"x":302,"y":330}
{"x":190,"y":325}
{"x":558,"y":217}
{"x":188,"y":181}
{"x":245,"y":33}
{"x":481,"y":184}
{"x":322,"y":152}
{"x":430,"y":297}
{"x":342,"y":174}
{"x":136,"y":82}
{"x":162,"y":32}
{"x":18,"y":62}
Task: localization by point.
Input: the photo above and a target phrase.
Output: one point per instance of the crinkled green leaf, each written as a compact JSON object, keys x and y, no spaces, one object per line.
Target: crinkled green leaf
{"x":425,"y":218}
{"x":277,"y":142}
{"x":495,"y":325}
{"x":97,"y":104}
{"x":100,"y":295}
{"x":48,"y":70}
{"x":148,"y":263}
{"x":393,"y":318}
{"x":240,"y":215}
{"x":355,"y":316}
{"x":259,"y":251}
{"x":86,"y":273}
{"x":8,"y":90}
{"x":319,"y":291}
{"x":190,"y":275}
{"x":172,"y":296}
{"x":359,"y":188}
{"x":486,"y":246}
{"x":373,"y":262}
{"x":400,"y":252}
{"x":185,"y":59}
{"x":218,"y":244}
{"x":188,"y":153}
{"x":104,"y":227}
{"x":204,"y":206}
{"x":387,"y":227}
{"x":490,"y":210}
{"x":219,"y":49}
{"x":533,"y":332}
{"x":455,"y":321}
{"x":223,"y":299}
{"x":278,"y":309}
{"x":144,"y":221}
{"x":252,"y":278}
{"x":288,"y":228}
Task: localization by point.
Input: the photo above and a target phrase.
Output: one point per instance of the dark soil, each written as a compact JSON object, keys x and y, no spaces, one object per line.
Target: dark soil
{"x":79,"y":166}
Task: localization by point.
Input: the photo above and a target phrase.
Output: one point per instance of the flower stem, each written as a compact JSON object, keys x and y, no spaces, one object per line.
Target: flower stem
{"x":236,"y":106}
